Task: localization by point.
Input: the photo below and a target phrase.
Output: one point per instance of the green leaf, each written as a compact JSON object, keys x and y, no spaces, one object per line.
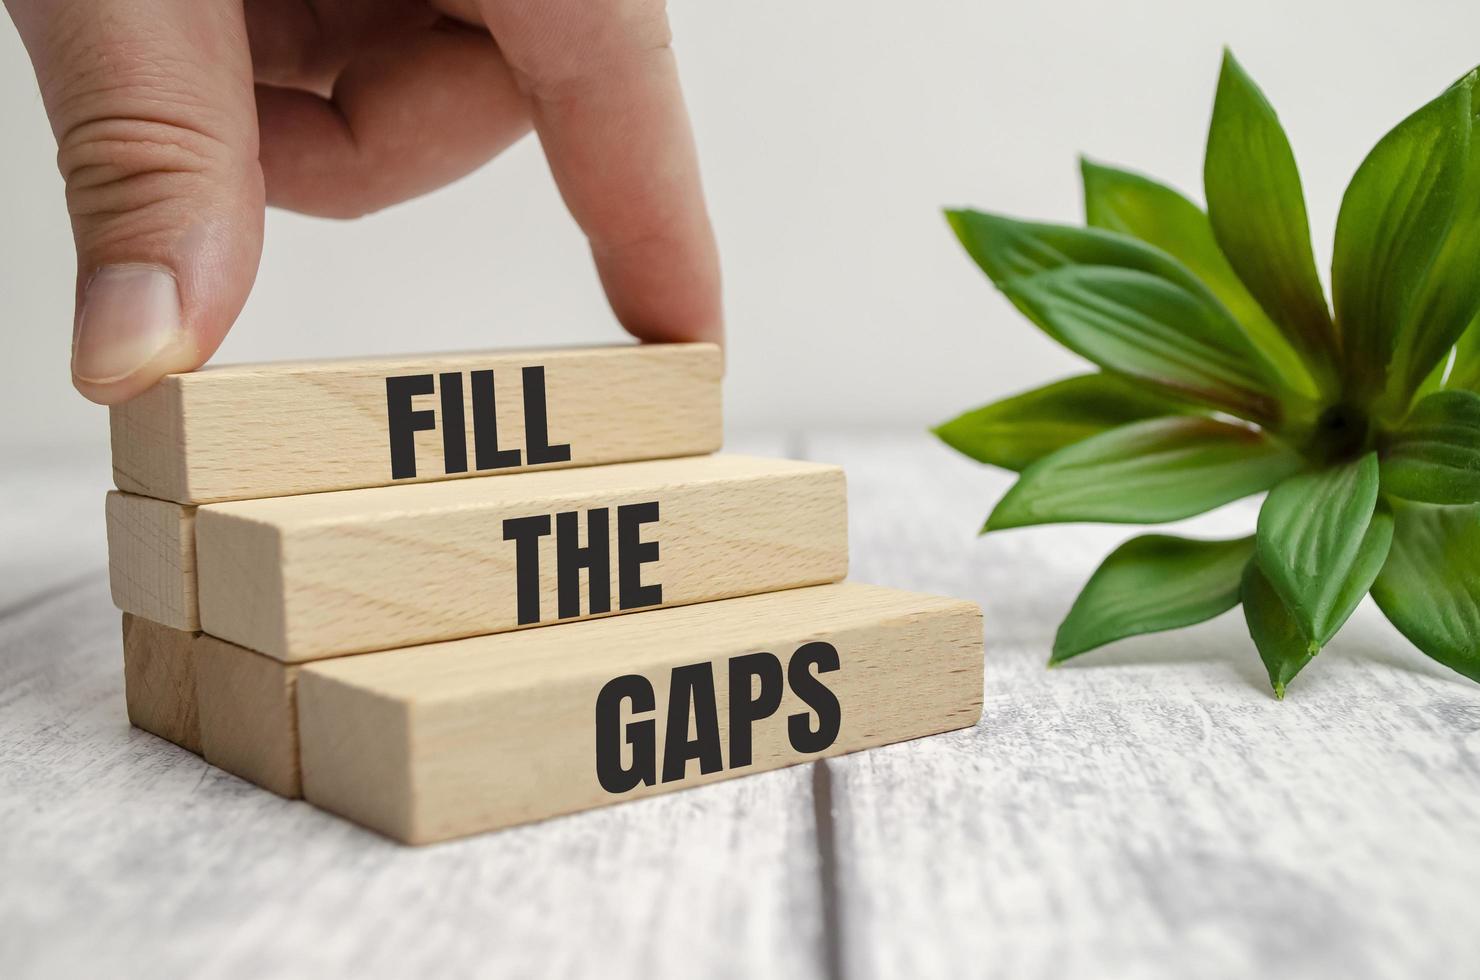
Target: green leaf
{"x":1394,"y":221}
{"x":1257,"y":210}
{"x":1015,"y":254}
{"x":1286,"y":645}
{"x":1016,"y":431}
{"x":1434,"y":456}
{"x":1430,"y":587}
{"x":1129,"y":203}
{"x":1151,"y":329}
{"x":1370,"y":556}
{"x":1310,"y":540}
{"x":1449,"y":299}
{"x":1145,"y":473}
{"x":1008,"y":249}
{"x":1466,"y":371}
{"x":1435,"y":380}
{"x":1282,"y":646}
{"x":1152,"y":583}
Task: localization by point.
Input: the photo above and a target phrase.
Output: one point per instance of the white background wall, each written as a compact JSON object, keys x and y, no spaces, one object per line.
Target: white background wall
{"x":831,"y":132}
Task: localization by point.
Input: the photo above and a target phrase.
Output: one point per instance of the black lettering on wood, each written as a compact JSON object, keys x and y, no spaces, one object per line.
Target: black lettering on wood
{"x":403,"y":423}
{"x":536,"y":424}
{"x":640,"y":735}
{"x":486,"y":452}
{"x":691,"y":694}
{"x":748,"y":705}
{"x":595,"y":558}
{"x":454,"y":428}
{"x":633,"y":553}
{"x":526,"y":532}
{"x":823,"y":656}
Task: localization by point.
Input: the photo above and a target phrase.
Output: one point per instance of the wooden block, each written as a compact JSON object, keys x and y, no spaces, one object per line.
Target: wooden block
{"x":151,"y":559}
{"x":248,"y":718}
{"x":267,"y":430}
{"x":301,"y":578}
{"x":456,"y":738}
{"x":159,"y":681}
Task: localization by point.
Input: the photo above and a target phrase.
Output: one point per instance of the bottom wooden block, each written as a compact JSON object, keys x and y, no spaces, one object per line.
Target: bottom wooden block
{"x":159,"y":681}
{"x":448,"y":739}
{"x":231,"y":706}
{"x":248,"y":717}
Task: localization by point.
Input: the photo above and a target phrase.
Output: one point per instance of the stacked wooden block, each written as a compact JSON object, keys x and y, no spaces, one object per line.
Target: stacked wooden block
{"x":330,"y":572}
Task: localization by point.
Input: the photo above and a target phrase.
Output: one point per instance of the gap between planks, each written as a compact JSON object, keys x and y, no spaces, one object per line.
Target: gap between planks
{"x":824,"y":827}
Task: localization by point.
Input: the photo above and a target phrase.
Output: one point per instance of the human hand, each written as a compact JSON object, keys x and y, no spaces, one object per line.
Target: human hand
{"x":178,"y":121}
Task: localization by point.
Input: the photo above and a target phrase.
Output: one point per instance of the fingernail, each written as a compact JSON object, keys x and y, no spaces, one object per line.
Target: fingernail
{"x":130,"y":313}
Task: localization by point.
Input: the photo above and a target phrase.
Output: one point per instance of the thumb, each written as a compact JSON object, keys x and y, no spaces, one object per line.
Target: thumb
{"x":151,"y":102}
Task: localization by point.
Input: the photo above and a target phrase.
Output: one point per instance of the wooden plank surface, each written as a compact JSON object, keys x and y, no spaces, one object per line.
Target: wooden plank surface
{"x":125,"y":856}
{"x":458,"y":738}
{"x":159,"y":681}
{"x":300,"y":578}
{"x":261,"y":430}
{"x":248,"y":715}
{"x":151,"y":559}
{"x":1148,"y":810}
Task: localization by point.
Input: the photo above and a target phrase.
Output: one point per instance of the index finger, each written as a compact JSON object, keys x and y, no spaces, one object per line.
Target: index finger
{"x":605,"y":100}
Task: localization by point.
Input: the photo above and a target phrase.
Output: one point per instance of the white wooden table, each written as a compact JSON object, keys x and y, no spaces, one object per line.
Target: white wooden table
{"x":1149,"y":810}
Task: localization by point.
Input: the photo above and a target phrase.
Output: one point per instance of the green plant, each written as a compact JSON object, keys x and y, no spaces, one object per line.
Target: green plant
{"x":1223,"y":373}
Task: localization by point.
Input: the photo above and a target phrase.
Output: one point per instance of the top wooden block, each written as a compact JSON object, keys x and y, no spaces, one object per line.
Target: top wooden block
{"x":271,"y":430}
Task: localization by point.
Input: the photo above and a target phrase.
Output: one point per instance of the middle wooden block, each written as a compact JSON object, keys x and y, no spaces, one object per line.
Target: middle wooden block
{"x":302,"y":578}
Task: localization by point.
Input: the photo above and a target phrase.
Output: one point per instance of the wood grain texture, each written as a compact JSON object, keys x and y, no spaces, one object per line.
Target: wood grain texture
{"x":307,"y":577}
{"x":248,"y":715}
{"x":263,"y":430}
{"x":151,"y":559}
{"x":1147,"y":811}
{"x":159,"y":681}
{"x":457,"y":738}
